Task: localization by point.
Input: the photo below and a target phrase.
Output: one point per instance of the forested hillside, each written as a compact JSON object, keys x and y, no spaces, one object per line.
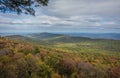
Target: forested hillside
{"x":24,"y":58}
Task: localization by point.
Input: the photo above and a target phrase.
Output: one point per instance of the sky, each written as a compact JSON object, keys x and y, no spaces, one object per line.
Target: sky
{"x":83,"y":16}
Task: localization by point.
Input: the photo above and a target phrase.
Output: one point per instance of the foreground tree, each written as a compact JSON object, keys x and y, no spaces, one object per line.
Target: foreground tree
{"x":19,"y":6}
{"x":66,"y":67}
{"x":115,"y":72}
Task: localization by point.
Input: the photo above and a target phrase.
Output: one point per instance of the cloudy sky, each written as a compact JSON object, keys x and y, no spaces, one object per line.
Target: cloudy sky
{"x":92,"y":16}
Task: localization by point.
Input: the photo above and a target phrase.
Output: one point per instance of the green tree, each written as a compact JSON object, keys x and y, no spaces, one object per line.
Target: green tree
{"x":36,"y":50}
{"x":44,"y":71}
{"x":20,"y":6}
{"x":32,"y":67}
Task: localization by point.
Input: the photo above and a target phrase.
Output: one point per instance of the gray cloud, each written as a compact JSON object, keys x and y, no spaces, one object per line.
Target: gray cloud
{"x":84,"y":7}
{"x":71,"y":15}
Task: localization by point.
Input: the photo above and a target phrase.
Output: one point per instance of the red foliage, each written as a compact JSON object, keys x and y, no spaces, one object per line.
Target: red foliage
{"x":115,"y":72}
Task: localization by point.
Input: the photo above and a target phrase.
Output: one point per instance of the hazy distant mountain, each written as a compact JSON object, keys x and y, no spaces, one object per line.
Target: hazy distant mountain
{"x":115,"y":36}
{"x":44,"y":35}
{"x":66,"y":37}
{"x":57,"y":37}
{"x":49,"y":38}
{"x":15,"y":36}
{"x":18,"y":37}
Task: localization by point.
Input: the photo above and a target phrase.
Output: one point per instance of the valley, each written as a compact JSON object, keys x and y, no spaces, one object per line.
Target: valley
{"x":48,"y":55}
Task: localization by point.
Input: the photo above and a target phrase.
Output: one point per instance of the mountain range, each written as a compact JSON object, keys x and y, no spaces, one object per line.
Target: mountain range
{"x":64,"y":36}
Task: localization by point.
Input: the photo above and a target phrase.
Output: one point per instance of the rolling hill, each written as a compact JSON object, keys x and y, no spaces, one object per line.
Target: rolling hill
{"x":49,"y":37}
{"x":48,"y":55}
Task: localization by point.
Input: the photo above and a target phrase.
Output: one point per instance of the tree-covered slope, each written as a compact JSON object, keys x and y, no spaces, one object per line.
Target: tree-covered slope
{"x":86,"y":59}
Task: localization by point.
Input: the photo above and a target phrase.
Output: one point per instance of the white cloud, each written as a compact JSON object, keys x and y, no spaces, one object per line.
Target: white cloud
{"x":67,"y":14}
{"x":84,"y":7}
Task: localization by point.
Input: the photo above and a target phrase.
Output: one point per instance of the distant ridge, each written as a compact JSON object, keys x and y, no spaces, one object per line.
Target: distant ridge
{"x":115,"y":36}
{"x":54,"y":38}
{"x":19,"y":37}
{"x":14,"y":36}
{"x":66,"y":36}
{"x":48,"y":37}
{"x":45,"y":35}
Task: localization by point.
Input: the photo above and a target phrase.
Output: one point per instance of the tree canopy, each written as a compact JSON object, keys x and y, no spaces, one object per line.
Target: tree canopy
{"x":21,"y":6}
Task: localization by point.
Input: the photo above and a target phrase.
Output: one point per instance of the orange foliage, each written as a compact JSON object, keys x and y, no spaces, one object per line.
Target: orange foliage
{"x":115,"y":72}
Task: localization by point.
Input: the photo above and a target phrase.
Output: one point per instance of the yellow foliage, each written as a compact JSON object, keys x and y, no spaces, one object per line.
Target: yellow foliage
{"x":56,"y":75}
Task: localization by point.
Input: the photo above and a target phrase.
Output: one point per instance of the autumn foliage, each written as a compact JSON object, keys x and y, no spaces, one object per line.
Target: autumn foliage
{"x":26,"y":60}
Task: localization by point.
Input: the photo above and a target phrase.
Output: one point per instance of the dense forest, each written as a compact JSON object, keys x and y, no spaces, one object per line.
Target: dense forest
{"x":20,"y":58}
